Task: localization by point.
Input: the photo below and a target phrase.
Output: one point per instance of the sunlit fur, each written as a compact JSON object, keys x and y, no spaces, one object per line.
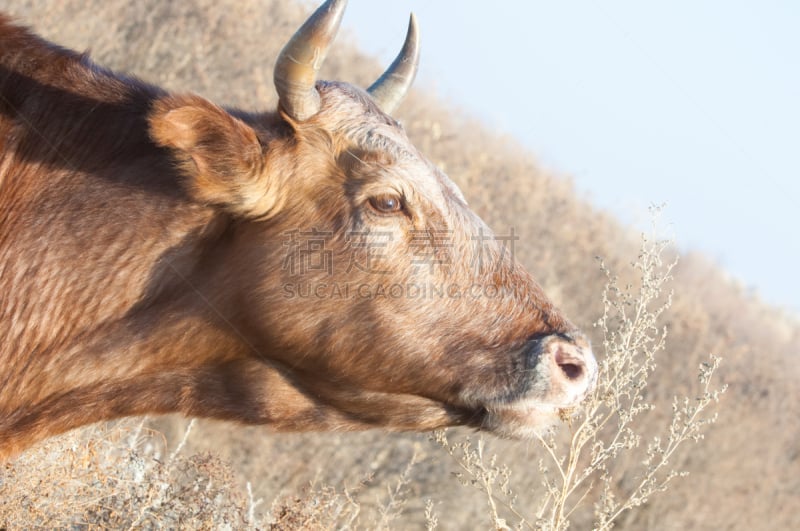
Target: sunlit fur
{"x":143,"y":267}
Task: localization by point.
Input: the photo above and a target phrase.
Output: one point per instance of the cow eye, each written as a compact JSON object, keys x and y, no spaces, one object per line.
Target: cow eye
{"x":386,"y":204}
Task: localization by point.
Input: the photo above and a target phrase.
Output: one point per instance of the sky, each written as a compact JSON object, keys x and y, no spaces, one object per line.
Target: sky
{"x":691,"y":104}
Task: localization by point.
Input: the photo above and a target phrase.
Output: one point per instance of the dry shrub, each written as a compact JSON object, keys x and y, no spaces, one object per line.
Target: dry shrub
{"x":122,"y":475}
{"x":605,"y":430}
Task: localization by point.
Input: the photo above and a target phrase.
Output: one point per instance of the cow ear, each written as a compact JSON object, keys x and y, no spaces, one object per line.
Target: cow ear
{"x":219,"y":154}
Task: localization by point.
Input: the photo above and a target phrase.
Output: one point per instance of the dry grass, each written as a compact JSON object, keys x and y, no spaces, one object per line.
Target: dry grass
{"x":745,"y":475}
{"x":119,"y":477}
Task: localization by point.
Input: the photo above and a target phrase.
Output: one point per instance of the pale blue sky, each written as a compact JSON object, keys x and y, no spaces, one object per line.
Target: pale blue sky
{"x":696,"y":104}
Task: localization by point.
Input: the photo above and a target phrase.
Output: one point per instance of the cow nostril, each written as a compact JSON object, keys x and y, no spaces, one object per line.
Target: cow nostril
{"x":572,"y":371}
{"x":570,"y":364}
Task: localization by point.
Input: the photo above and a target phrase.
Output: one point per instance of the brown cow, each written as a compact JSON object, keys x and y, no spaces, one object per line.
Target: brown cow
{"x":307,"y":269}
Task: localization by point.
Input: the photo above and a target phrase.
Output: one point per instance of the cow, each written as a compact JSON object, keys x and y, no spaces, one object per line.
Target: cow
{"x":304,"y":268}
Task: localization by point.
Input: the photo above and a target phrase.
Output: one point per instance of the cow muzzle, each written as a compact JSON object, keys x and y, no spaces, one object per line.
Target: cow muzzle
{"x":560,"y":371}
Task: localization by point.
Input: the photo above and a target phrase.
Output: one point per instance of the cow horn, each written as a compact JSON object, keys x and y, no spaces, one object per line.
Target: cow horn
{"x":300,"y":60}
{"x":389,"y":90}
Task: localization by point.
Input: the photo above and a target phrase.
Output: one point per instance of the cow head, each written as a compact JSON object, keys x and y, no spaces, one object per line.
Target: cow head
{"x":359,"y":269}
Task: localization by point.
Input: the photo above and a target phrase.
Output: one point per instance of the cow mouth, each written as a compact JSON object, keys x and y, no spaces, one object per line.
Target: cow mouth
{"x":524,"y":419}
